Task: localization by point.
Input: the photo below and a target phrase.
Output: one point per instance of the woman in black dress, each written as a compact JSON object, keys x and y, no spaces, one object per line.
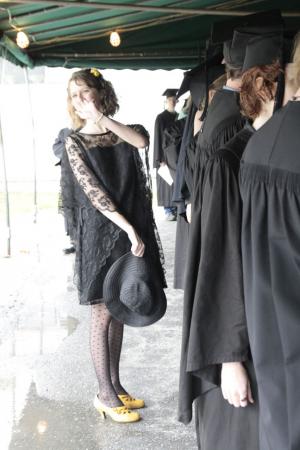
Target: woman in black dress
{"x":107,"y":189}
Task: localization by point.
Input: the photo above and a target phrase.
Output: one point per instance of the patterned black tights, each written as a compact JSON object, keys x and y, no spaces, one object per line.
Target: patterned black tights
{"x":106,"y":342}
{"x":115,"y":346}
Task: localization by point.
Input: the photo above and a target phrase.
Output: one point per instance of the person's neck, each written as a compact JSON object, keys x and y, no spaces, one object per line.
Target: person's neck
{"x":264,"y":116}
{"x":234,"y":84}
{"x":91,"y":128}
{"x":290,"y":84}
{"x":171,"y":109}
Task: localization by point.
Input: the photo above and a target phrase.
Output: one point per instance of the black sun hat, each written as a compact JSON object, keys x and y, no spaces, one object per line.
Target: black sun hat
{"x":133,"y":293}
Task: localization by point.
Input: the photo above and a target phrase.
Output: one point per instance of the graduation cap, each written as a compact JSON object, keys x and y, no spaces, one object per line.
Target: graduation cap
{"x":234,"y":50}
{"x":263,"y":50}
{"x":223,"y":31}
{"x":198,"y":79}
{"x":170,"y":92}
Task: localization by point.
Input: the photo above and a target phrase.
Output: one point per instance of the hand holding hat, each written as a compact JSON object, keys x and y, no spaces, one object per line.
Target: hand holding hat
{"x":137,"y":245}
{"x":133,"y":293}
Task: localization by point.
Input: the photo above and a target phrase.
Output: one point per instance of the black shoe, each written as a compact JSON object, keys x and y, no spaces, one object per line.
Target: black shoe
{"x":69,"y":250}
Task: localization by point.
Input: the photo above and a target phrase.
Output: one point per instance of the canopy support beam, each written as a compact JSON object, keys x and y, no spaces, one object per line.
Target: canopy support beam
{"x":137,"y":7}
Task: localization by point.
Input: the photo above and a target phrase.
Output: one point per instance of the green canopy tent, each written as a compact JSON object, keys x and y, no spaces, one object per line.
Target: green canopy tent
{"x":154,"y":34}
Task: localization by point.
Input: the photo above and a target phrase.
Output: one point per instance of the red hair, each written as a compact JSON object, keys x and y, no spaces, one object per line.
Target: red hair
{"x":251,"y":98}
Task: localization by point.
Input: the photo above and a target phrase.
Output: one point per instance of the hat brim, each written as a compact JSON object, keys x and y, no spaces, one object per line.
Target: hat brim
{"x":111,"y":293}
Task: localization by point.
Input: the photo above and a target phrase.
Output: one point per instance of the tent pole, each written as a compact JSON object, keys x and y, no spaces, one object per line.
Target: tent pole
{"x":7,"y":206}
{"x":33,"y":146}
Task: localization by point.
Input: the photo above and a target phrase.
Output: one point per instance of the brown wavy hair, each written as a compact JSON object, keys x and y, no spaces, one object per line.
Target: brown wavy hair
{"x":251,"y":98}
{"x":106,"y":98}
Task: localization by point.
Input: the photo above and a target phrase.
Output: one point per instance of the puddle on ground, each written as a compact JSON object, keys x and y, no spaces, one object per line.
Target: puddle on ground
{"x":38,"y":423}
{"x":24,"y":416}
{"x":37,"y":334}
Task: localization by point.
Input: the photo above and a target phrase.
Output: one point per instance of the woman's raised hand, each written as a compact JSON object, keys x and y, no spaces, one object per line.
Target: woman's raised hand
{"x":138,"y":246}
{"x":86,"y":109}
{"x":235,"y":384}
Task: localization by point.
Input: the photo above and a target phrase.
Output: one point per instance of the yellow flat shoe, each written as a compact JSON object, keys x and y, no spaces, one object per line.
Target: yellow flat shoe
{"x":130,"y":402}
{"x":118,"y":414}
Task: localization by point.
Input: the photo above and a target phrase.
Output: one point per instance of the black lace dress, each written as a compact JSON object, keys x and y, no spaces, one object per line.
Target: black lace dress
{"x":98,"y":171}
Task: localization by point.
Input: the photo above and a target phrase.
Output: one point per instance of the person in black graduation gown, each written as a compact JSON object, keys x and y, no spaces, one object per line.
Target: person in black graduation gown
{"x":270,"y":185}
{"x":221,"y":255}
{"x":182,"y":227}
{"x":195,"y":82}
{"x":222,"y":121}
{"x":215,"y":337}
{"x":163,"y":121}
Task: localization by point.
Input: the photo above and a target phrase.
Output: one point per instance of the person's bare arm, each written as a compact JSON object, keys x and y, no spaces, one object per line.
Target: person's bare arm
{"x":124,"y":132}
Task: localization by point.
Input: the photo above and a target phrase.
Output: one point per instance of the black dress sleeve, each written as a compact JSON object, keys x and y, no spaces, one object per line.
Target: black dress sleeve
{"x":60,"y":142}
{"x":87,"y":179}
{"x":218,"y":326}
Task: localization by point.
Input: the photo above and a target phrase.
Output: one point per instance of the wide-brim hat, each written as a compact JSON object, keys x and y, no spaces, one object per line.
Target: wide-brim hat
{"x":133,"y":292}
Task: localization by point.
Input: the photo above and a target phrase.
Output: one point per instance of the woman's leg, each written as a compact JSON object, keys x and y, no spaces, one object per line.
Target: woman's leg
{"x":115,"y":346}
{"x":100,"y":323}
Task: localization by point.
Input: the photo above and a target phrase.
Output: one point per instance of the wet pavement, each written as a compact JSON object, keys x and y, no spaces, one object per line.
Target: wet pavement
{"x":47,"y":380}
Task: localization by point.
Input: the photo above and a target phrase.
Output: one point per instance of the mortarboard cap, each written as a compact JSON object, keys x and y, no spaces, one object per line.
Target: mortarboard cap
{"x":197,"y":82}
{"x":234,"y":50}
{"x":170,"y":92}
{"x":263,"y":50}
{"x":199,"y":78}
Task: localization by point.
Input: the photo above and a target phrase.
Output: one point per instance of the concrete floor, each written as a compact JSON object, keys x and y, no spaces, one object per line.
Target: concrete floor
{"x":47,"y":381}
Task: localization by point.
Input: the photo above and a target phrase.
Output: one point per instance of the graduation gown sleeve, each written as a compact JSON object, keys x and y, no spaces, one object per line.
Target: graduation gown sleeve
{"x":187,"y":187}
{"x":157,"y":145}
{"x":218,"y":330}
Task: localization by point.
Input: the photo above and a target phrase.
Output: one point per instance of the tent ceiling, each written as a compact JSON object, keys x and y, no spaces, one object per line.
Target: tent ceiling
{"x":155,"y":33}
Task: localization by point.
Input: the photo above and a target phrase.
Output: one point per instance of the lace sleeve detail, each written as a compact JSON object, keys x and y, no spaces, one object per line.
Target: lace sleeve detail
{"x":86,"y":179}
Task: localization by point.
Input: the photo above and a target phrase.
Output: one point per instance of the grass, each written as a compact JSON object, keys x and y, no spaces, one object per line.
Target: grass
{"x":23,"y":202}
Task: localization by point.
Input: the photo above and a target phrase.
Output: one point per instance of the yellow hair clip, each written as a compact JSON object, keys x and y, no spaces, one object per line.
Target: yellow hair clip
{"x":95,"y":72}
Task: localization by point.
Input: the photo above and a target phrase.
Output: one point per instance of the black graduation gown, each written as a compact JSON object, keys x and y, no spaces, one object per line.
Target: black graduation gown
{"x":270,"y":188}
{"x":223,"y":120}
{"x":172,"y":138}
{"x":180,"y":191}
{"x":179,"y":198}
{"x":214,"y":326}
{"x":164,"y":190}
